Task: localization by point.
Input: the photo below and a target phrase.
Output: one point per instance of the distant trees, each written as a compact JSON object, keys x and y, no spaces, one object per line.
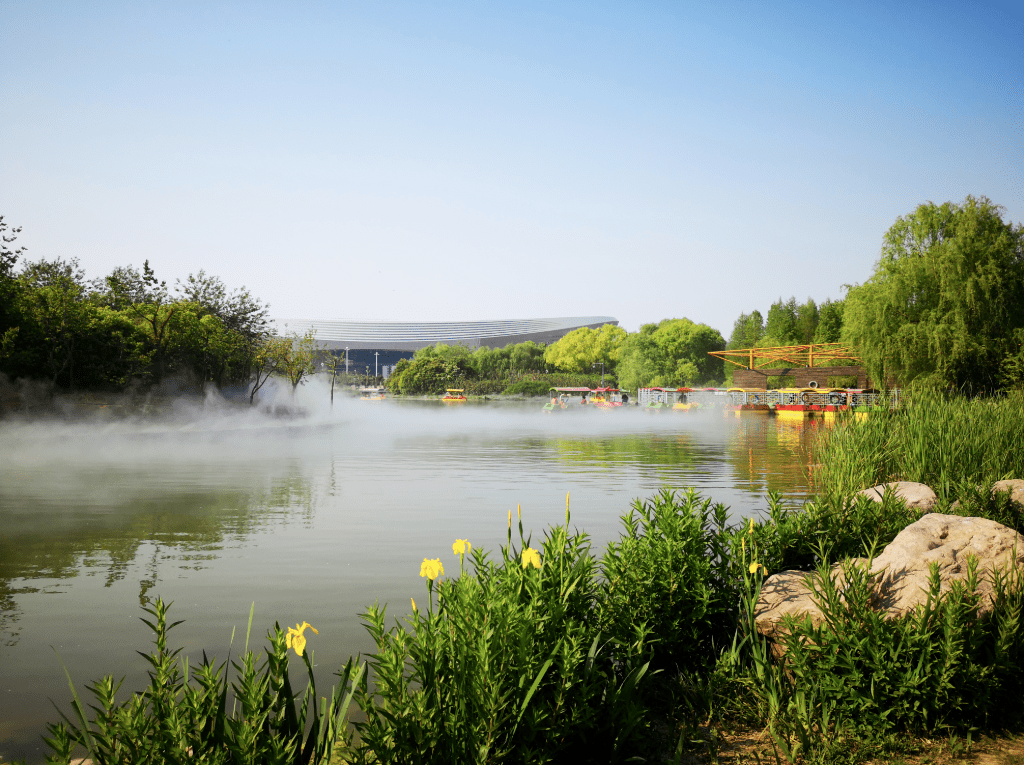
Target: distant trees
{"x":946,"y":301}
{"x":673,"y":352}
{"x":581,"y":349}
{"x":127,"y":326}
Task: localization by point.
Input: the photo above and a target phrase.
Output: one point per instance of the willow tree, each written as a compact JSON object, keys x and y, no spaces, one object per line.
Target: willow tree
{"x":946,"y":297}
{"x":580,"y":349}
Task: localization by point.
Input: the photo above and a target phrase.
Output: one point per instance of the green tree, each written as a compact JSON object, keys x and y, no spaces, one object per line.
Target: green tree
{"x":580,"y":349}
{"x":672,"y":352}
{"x":53,"y":304}
{"x":830,"y":322}
{"x":946,"y":298}
{"x":297,"y":357}
{"x":747,"y":331}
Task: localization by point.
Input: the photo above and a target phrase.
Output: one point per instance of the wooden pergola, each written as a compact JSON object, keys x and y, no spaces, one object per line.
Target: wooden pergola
{"x":813,"y":355}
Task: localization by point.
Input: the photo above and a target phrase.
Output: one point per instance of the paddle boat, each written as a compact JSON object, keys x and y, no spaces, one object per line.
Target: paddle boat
{"x":608,"y":398}
{"x":796,"y":403}
{"x":568,"y":398}
{"x":683,"y":402}
{"x":741,"y":401}
{"x":454,"y":396}
{"x":372,"y":394}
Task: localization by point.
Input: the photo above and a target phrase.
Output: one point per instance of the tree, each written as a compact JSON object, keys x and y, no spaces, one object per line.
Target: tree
{"x":747,"y":331}
{"x":297,"y":356}
{"x":830,"y":322}
{"x":9,"y":288}
{"x":52,"y":300}
{"x":147,"y":298}
{"x":580,"y":349}
{"x":672,"y":352}
{"x":946,"y":298}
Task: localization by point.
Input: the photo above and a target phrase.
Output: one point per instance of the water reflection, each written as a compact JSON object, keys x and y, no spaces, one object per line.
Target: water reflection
{"x":312,"y":521}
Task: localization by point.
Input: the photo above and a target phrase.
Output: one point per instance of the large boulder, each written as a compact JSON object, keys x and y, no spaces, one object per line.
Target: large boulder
{"x":902,"y":570}
{"x":916,"y":496}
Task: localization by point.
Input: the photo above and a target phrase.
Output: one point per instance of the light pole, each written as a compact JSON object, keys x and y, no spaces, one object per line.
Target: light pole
{"x":346,"y":359}
{"x":602,"y":370}
{"x":375,"y":355}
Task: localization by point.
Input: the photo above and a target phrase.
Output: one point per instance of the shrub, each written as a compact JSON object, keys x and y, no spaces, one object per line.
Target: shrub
{"x":528,"y":388}
{"x":508,"y":667}
{"x":667,"y":587}
{"x":183,"y":718}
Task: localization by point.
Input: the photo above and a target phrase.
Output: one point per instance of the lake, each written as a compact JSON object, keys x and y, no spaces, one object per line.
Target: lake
{"x":311,"y":518}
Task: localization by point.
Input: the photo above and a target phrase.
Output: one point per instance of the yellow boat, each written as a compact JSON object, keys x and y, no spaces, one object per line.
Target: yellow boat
{"x":454,"y":396}
{"x":372,"y":394}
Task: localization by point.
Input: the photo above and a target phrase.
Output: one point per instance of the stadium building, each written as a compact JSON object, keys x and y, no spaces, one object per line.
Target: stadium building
{"x":385,"y":342}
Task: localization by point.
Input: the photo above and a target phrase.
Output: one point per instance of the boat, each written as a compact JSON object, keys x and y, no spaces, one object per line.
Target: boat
{"x":372,"y":394}
{"x":609,"y":398}
{"x":683,"y":402}
{"x":796,"y":403}
{"x":454,"y":396}
{"x":741,"y":401}
{"x":568,"y":398}
{"x":656,"y":399}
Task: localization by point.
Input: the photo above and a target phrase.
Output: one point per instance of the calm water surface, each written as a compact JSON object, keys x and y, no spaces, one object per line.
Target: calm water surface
{"x":310,"y":519}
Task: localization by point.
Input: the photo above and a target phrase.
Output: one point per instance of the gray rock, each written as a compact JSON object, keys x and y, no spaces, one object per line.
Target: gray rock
{"x":916,"y":496}
{"x":902,"y":570}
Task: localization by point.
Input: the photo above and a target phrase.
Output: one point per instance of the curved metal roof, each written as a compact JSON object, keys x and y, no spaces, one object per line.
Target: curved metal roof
{"x":430,"y":332}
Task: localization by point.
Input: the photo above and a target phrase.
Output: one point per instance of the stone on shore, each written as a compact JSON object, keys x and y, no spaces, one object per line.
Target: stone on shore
{"x":902,"y":570}
{"x":916,"y":496}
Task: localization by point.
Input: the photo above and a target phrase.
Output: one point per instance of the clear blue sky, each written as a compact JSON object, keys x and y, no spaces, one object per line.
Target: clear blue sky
{"x":459,"y":160}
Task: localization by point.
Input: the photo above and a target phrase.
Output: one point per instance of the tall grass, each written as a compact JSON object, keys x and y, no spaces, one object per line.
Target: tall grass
{"x":933,"y":438}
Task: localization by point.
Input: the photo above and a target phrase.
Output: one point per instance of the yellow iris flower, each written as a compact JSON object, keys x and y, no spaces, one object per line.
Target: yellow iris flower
{"x":431,"y":569}
{"x":751,"y":529}
{"x":461,"y":546}
{"x":295,"y":639}
{"x":755,"y":566}
{"x":531,"y":558}
{"x":414,"y":609}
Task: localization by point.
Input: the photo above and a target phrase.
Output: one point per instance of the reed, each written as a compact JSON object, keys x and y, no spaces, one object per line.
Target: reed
{"x":938,"y":439}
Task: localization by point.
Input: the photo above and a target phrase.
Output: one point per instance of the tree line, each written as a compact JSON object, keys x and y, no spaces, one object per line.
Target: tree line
{"x":944,"y":306}
{"x":129,"y":327}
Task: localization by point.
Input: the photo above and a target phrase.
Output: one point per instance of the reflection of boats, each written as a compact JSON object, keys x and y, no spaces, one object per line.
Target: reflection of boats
{"x":454,"y":396}
{"x":577,"y":398}
{"x":740,"y":401}
{"x":372,"y":394}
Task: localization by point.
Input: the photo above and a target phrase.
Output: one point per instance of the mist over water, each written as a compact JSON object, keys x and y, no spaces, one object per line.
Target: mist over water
{"x":312,"y":517}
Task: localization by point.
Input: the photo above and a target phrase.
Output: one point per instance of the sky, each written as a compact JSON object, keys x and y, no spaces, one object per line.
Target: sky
{"x":476,"y":160}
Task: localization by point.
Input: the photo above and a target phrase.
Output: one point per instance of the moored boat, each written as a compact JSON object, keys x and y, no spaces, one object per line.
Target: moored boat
{"x":454,"y":396}
{"x":743,"y":401}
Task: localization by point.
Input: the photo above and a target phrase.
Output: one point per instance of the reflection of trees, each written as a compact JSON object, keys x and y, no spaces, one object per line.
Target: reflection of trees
{"x":769,"y":454}
{"x":174,"y":518}
{"x":611,"y":452}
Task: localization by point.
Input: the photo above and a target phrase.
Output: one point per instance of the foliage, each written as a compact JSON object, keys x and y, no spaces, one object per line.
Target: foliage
{"x":667,"y":588}
{"x":527,"y":388}
{"x":185,"y":716}
{"x":296,"y":357}
{"x":946,"y":298}
{"x":509,"y":667}
{"x":747,"y":330}
{"x":125,"y":328}
{"x":672,"y":352}
{"x":581,"y":349}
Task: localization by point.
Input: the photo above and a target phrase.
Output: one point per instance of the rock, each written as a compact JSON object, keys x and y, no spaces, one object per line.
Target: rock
{"x":1013,"y":485}
{"x":916,"y":496}
{"x":903,"y":568}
